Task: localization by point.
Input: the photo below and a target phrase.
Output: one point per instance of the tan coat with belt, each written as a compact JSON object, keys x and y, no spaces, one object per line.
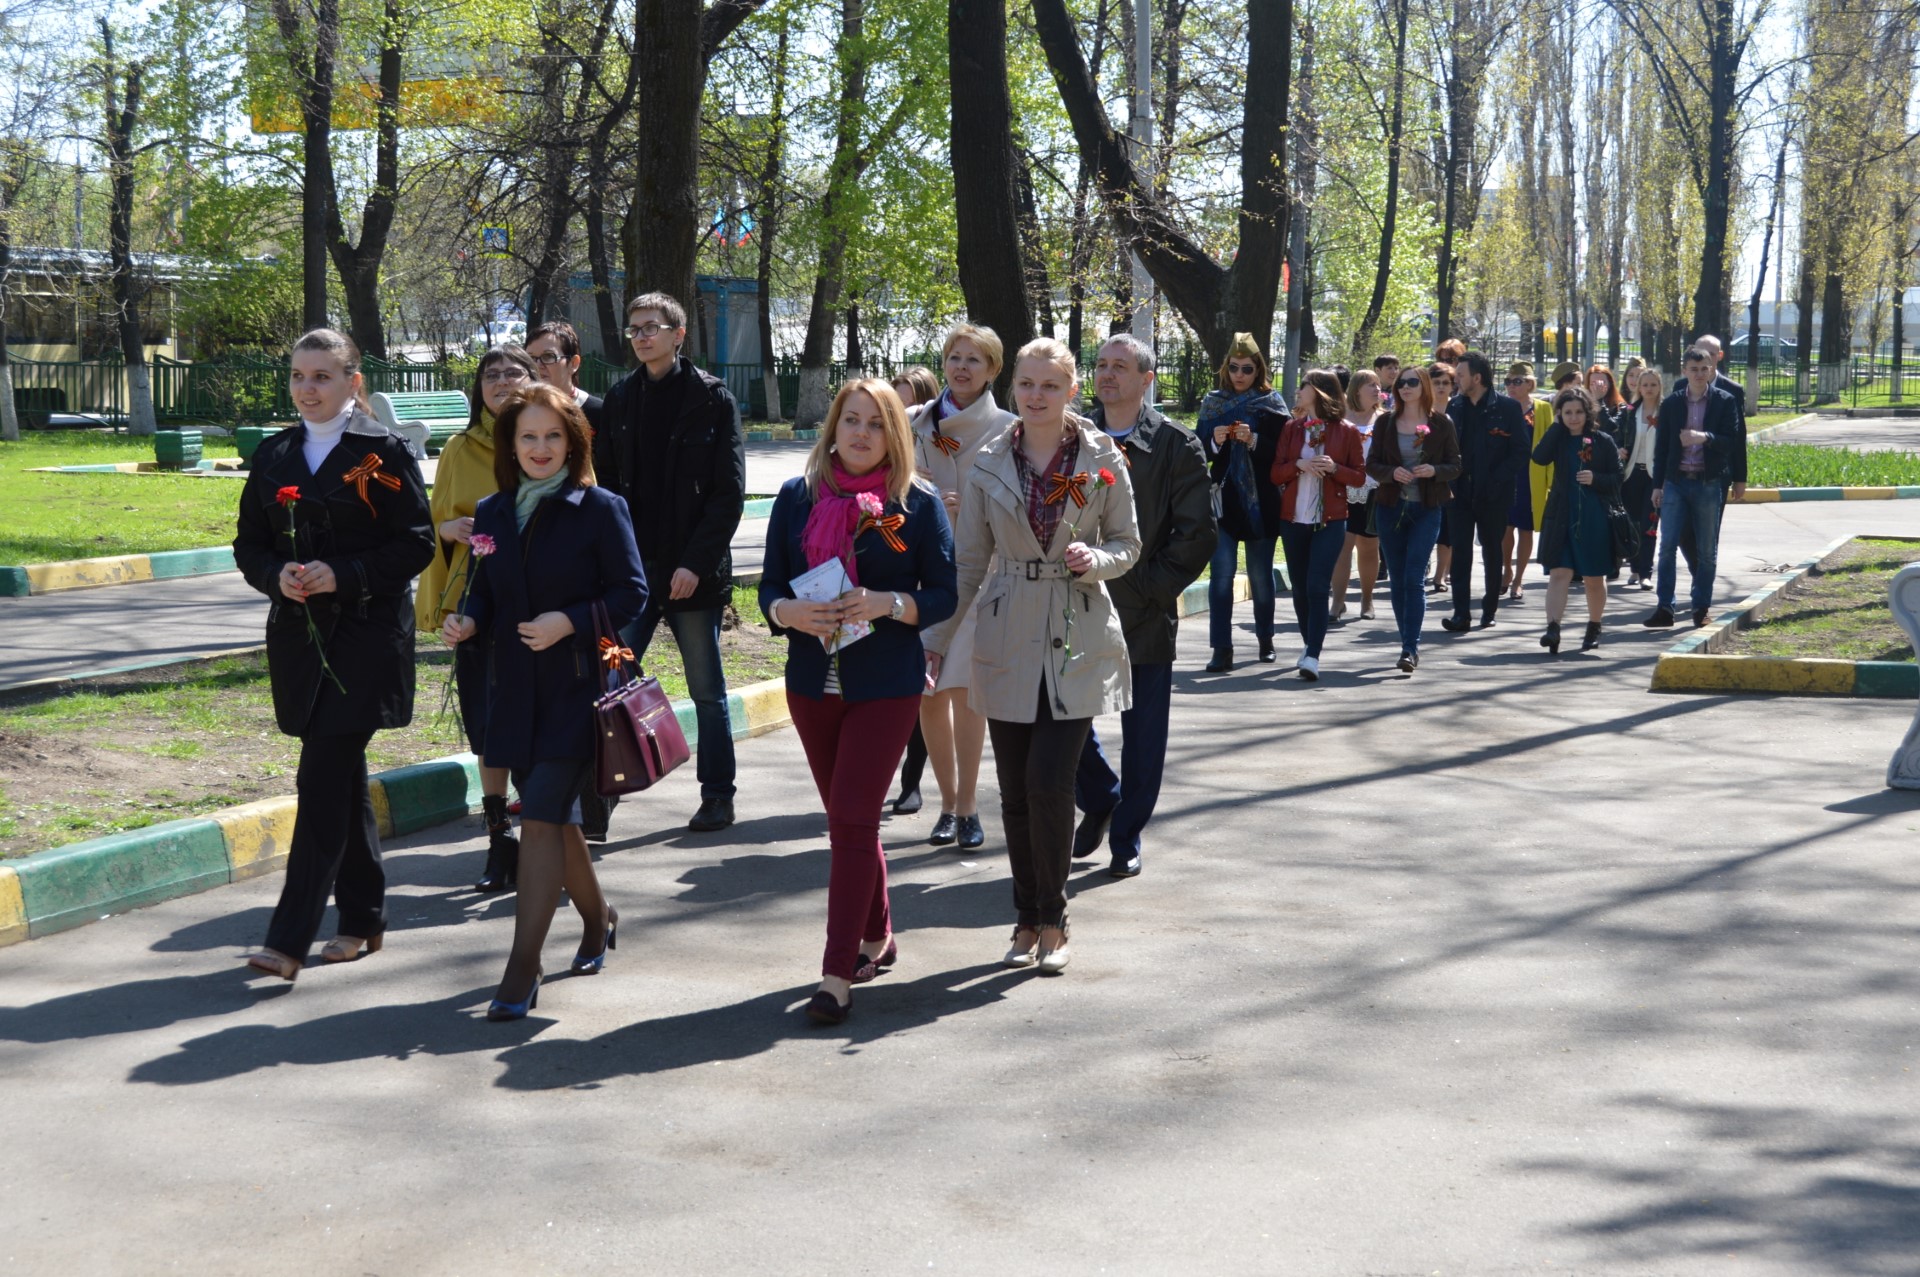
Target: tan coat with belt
{"x":972,"y":428}
{"x":1022,"y":633}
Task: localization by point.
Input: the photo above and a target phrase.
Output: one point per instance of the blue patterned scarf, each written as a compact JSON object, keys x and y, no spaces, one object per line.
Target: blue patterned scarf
{"x":1217,"y":409}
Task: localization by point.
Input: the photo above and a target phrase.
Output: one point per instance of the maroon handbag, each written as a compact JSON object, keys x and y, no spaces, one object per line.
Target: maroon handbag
{"x":637,"y":737}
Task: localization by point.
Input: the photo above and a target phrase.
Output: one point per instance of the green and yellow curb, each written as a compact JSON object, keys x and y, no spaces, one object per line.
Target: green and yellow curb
{"x":66,"y":887}
{"x":1700,"y":662}
{"x":119,"y":569}
{"x":1771,"y":496}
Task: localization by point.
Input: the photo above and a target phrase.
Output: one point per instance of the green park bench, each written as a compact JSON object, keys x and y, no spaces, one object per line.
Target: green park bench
{"x":425,"y":418}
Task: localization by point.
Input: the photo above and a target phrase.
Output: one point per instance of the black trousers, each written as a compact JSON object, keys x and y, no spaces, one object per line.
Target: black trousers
{"x":1490,"y":525}
{"x":336,"y":849}
{"x":914,"y":765}
{"x":1036,"y":763}
{"x":1636,"y":494}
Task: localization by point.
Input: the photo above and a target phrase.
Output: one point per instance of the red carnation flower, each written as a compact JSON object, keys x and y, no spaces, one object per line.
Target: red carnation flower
{"x":287,"y":495}
{"x":1106,"y":475}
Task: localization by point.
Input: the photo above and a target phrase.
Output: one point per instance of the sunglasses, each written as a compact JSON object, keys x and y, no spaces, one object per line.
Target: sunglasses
{"x":1241,"y":369}
{"x":1407,"y":383}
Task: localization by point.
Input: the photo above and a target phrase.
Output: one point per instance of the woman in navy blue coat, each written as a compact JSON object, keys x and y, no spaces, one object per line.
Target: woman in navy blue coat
{"x":560,"y":545}
{"x":855,"y":668}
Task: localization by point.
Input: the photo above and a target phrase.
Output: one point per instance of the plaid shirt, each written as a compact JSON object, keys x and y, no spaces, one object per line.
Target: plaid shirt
{"x":1042,"y":517}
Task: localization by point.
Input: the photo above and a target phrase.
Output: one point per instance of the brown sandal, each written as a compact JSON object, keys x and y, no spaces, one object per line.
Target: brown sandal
{"x":273,"y":962}
{"x":347,"y":948}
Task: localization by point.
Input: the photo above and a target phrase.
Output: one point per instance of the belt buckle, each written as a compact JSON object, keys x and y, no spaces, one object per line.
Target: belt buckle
{"x":1033,"y":569}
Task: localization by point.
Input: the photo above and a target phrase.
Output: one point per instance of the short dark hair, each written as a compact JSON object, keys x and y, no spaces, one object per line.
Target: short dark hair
{"x":1343,"y":375}
{"x":1480,"y":366}
{"x":561,"y":331}
{"x":669,"y":307}
{"x":506,"y":466}
{"x":1382,"y":361}
{"x":1699,"y":355}
{"x":508,"y":353}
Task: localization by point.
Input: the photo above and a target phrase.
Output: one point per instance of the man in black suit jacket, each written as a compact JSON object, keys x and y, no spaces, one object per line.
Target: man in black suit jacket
{"x":555,"y":348}
{"x":1495,"y":442}
{"x":1700,"y":451}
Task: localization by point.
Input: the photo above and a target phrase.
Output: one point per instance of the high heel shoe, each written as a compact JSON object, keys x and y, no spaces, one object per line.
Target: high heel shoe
{"x":1551,"y":639}
{"x":1054,"y":960}
{"x":347,"y":948}
{"x":870,"y":968}
{"x":582,"y":964}
{"x":1592,"y":639}
{"x":498,"y":1010}
{"x":1022,"y":955}
{"x":273,"y":962}
{"x":503,"y":849}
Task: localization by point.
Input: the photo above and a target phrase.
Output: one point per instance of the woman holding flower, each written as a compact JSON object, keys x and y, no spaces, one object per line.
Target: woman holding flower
{"x":1414,"y":458}
{"x":858,"y":505}
{"x":333,"y":527}
{"x":1576,"y":536}
{"x":1319,"y":457}
{"x":1047,"y":516}
{"x":1246,"y":504}
{"x":564,"y":568}
{"x":463,"y":477}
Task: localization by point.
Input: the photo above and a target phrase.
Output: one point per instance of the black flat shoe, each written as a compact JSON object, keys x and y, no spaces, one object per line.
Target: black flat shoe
{"x":1486,"y":619}
{"x":822,"y":1009}
{"x":945,"y":830}
{"x":1091,"y":833}
{"x":714,"y":814}
{"x":1592,"y":637}
{"x":1267,"y":655}
{"x":907,"y":804}
{"x":1661,"y":619}
{"x":1458,"y":623}
{"x":1222,"y":661}
{"x":1701,"y":615}
{"x":972,"y":836}
{"x":1407,"y":662}
{"x":1128,"y":868}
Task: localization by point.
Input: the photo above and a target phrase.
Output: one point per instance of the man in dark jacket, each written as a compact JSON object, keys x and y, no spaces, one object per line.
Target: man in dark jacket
{"x":672,"y":446}
{"x":1174,"y":504}
{"x":555,"y":347}
{"x":1495,"y":441}
{"x":1700,"y":449}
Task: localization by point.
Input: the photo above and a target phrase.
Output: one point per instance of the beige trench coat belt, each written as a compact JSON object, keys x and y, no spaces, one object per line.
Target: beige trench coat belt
{"x":1035,"y":569}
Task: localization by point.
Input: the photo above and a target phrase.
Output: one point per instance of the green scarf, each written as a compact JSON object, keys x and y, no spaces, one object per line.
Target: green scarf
{"x":531,"y":492}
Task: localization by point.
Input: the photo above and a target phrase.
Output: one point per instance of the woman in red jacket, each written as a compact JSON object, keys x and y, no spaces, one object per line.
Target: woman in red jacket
{"x":1319,"y":457}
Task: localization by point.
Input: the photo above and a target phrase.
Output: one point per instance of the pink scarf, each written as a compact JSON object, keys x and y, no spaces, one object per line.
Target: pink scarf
{"x":836,"y":516}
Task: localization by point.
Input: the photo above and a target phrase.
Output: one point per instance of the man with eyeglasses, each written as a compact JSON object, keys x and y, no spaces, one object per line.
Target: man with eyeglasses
{"x":673,"y":447}
{"x":555,"y":347}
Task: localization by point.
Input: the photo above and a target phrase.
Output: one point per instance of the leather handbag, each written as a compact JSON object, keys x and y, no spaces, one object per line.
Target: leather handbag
{"x":1621,"y":529}
{"x":637,"y":737}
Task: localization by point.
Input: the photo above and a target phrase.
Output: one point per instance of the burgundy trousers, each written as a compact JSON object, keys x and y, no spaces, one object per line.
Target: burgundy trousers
{"x":853,"y":749}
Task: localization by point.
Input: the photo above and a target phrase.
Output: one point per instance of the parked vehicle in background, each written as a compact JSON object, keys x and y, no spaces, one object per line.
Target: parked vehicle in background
{"x":1778,"y":349}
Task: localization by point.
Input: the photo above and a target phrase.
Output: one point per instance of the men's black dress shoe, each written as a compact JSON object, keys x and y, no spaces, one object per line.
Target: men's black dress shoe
{"x":1486,"y":619}
{"x":907,"y":803}
{"x":1701,"y":615}
{"x":1660,"y":620}
{"x":1091,"y":833}
{"x":1222,"y":661}
{"x":714,"y":813}
{"x":972,"y":836}
{"x":1128,"y":868}
{"x":945,"y":829}
{"x":1267,"y":655}
{"x":1458,"y":623}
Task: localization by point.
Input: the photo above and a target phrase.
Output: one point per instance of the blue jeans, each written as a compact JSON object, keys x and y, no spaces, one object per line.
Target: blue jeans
{"x":1311,"y":554}
{"x":697,"y":635}
{"x":1405,"y":547}
{"x":1226,"y":562}
{"x":1690,"y":513}
{"x":1132,"y":795}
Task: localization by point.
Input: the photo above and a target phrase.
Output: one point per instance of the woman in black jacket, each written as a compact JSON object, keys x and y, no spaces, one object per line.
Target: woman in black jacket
{"x":1238,"y":441}
{"x":333,"y":528}
{"x":562,"y":549}
{"x":856,"y":671}
{"x":1575,"y":535}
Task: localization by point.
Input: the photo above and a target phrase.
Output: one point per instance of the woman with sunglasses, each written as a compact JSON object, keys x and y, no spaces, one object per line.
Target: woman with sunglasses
{"x":1239,"y":427}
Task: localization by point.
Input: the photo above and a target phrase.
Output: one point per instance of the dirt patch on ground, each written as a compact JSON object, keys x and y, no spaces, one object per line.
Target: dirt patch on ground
{"x":1839,"y":611}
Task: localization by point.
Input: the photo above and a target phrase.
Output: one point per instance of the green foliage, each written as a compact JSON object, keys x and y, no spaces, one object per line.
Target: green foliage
{"x":1801,"y":465}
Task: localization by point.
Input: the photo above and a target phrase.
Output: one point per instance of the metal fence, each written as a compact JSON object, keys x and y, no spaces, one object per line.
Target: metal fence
{"x":96,"y":388}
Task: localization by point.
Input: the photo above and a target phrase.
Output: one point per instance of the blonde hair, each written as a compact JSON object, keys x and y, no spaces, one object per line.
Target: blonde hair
{"x":1053,"y":352}
{"x":985,"y":338}
{"x":893,"y":417}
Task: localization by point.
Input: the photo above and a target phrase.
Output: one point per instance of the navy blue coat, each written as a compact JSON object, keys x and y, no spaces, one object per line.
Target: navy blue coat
{"x":577,"y":549}
{"x":1496,"y":436}
{"x":889,"y":661}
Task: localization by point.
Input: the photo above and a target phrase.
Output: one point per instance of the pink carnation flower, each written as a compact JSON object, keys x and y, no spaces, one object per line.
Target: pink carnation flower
{"x":869,"y":504}
{"x":480,"y":545}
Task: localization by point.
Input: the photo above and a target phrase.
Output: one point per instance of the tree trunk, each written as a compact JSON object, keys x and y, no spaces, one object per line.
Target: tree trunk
{"x":554,"y":141}
{"x":986,"y":215}
{"x":359,"y":264}
{"x":816,"y":353}
{"x":608,"y":308}
{"x":9,"y":414}
{"x":1712,"y":298}
{"x":1214,"y":301}
{"x":1760,"y":279}
{"x":311,"y":59}
{"x":856,"y":351}
{"x":122,"y":101}
{"x":767,"y":221}
{"x":1033,"y":253}
{"x":1383,"y":268}
{"x":672,"y":74}
{"x":1299,"y":304}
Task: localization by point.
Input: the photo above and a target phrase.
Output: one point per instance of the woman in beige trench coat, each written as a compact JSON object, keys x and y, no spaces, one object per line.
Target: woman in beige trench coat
{"x":1047,"y":518}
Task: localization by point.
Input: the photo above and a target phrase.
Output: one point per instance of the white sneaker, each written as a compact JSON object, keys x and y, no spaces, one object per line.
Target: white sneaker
{"x":1309,"y":667}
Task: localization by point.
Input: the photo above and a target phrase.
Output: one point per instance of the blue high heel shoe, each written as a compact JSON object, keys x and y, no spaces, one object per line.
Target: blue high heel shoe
{"x":498,"y":1010}
{"x":582,"y":964}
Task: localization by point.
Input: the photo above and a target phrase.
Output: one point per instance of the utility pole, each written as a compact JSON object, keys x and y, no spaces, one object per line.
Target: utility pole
{"x":1142,"y":131}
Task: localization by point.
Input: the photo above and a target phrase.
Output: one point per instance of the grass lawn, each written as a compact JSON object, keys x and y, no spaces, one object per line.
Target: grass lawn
{"x":1806,"y":465}
{"x":46,"y":518}
{"x":139,"y":749}
{"x":1839,"y":612}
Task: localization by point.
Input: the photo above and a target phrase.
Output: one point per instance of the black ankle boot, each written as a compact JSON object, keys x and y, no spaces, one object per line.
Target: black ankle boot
{"x":1551,"y":639}
{"x":503,"y":849}
{"x":1592,"y":640}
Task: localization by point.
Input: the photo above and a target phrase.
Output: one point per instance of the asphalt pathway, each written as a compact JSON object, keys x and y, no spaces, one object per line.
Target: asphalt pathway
{"x":1508,"y":967}
{"x":1862,"y":434}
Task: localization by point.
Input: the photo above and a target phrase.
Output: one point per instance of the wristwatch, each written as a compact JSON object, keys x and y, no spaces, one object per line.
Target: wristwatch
{"x":899,"y":606}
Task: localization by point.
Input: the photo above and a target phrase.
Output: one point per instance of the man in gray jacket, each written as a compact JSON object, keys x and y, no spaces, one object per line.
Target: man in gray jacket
{"x":1174,"y":504}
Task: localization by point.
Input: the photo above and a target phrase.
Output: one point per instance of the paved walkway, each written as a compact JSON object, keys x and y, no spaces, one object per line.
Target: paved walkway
{"x":1862,"y":434}
{"x":1509,"y":967}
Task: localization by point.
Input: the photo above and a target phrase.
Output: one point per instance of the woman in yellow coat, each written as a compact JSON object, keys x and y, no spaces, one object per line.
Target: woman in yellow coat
{"x":463,"y":476}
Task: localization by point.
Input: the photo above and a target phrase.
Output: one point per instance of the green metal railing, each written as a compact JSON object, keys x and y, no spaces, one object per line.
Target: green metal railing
{"x":95,"y":388}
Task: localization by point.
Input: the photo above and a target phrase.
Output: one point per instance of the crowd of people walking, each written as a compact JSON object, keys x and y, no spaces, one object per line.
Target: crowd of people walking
{"x":946,"y":572}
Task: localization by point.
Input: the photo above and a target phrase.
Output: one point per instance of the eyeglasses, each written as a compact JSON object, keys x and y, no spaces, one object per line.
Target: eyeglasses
{"x":549,"y":359}
{"x":1407,"y":383}
{"x":648,"y":330}
{"x":505,"y":376}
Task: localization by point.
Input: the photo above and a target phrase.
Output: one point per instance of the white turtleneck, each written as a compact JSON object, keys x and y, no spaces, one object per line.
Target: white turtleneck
{"x":321,"y":438}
